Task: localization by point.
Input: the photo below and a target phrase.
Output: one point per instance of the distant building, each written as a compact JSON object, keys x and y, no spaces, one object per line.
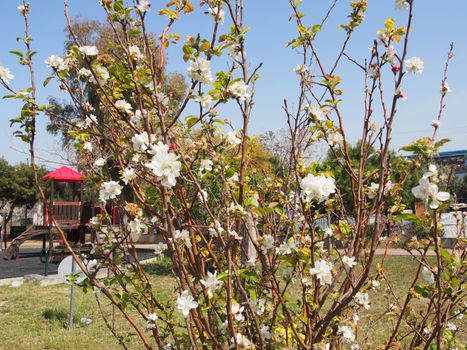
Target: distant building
{"x":455,"y":159}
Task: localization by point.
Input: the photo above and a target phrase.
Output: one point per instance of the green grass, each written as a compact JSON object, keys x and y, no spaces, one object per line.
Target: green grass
{"x":34,"y":317}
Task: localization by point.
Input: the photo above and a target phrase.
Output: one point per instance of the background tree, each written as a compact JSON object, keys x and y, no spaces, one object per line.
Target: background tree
{"x":64,"y":115}
{"x":17,"y":187}
{"x":398,"y":165}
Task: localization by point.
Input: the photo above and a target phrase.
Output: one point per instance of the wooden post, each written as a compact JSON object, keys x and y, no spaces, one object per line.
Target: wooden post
{"x":51,"y":204}
{"x":4,"y":231}
{"x":43,"y":223}
{"x":82,"y":231}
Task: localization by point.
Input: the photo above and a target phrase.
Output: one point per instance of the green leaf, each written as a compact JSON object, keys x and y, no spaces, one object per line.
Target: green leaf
{"x":423,"y":291}
{"x":446,"y":255}
{"x":17,"y":53}
{"x":249,"y":275}
{"x":187,"y":49}
{"x":191,"y":120}
{"x":442,"y":142}
{"x":46,"y":81}
{"x":409,"y":217}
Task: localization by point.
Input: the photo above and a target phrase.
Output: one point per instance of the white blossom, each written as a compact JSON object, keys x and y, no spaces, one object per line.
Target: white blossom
{"x":355,"y":318}
{"x":414,"y":65}
{"x":391,"y":54}
{"x":123,"y":106}
{"x":135,"y":53}
{"x":128,"y":174}
{"x":347,"y":334}
{"x":219,"y":13}
{"x":317,"y":187}
{"x":185,"y":303}
{"x":349,"y":261}
{"x":239,"y":89}
{"x":401,"y":4}
{"x":200,"y":70}
{"x":143,"y":6}
{"x":287,"y":248}
{"x":217,"y":229}
{"x":5,"y":75}
{"x":233,"y":139}
{"x":237,"y":312}
{"x":234,"y":235}
{"x":267,"y":243}
{"x":451,"y":327}
{"x":140,"y":142}
{"x":95,"y":221}
{"x":234,"y":178}
{"x":242,"y":341}
{"x":165,"y":165}
{"x":429,"y":193}
{"x":335,"y":138}
{"x":234,"y":52}
{"x":163,"y":99}
{"x":236,"y":209}
{"x":445,"y":88}
{"x":89,"y":50}
{"x":84,"y":73}
{"x":362,"y":299}
{"x":102,"y":74}
{"x":211,"y":283}
{"x":204,"y":99}
{"x":184,"y":237}
{"x":203,"y":195}
{"x":24,"y":9}
{"x":100,"y":162}
{"x":260,"y":306}
{"x":136,"y":117}
{"x":134,"y":226}
{"x":88,"y":146}
{"x":160,"y":248}
{"x":205,"y":165}
{"x":56,"y":62}
{"x":323,"y":271}
{"x":109,"y":190}
{"x":90,"y":120}
{"x":151,"y":319}
{"x":316,"y":112}
{"x":328,"y":232}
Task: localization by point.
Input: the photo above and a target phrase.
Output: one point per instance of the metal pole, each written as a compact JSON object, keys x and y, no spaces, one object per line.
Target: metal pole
{"x":72,"y":297}
{"x":46,"y":272}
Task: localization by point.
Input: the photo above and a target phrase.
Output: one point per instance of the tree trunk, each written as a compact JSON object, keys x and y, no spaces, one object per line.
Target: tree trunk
{"x":249,"y":250}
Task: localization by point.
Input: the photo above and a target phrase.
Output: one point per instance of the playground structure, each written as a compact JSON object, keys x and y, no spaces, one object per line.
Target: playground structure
{"x":71,"y":217}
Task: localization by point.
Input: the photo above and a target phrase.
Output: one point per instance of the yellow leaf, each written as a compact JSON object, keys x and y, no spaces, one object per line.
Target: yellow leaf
{"x":188,"y":7}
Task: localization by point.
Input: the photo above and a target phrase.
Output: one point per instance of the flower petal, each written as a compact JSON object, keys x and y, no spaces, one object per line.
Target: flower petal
{"x":443,"y":196}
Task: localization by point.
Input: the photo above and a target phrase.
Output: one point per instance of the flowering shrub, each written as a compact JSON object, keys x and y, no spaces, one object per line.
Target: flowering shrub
{"x":253,"y":267}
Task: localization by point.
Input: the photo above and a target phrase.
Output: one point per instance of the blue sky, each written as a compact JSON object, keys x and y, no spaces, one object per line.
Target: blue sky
{"x":436,"y":24}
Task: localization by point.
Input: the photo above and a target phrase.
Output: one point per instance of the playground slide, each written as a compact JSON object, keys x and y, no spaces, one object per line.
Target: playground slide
{"x":13,"y":250}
